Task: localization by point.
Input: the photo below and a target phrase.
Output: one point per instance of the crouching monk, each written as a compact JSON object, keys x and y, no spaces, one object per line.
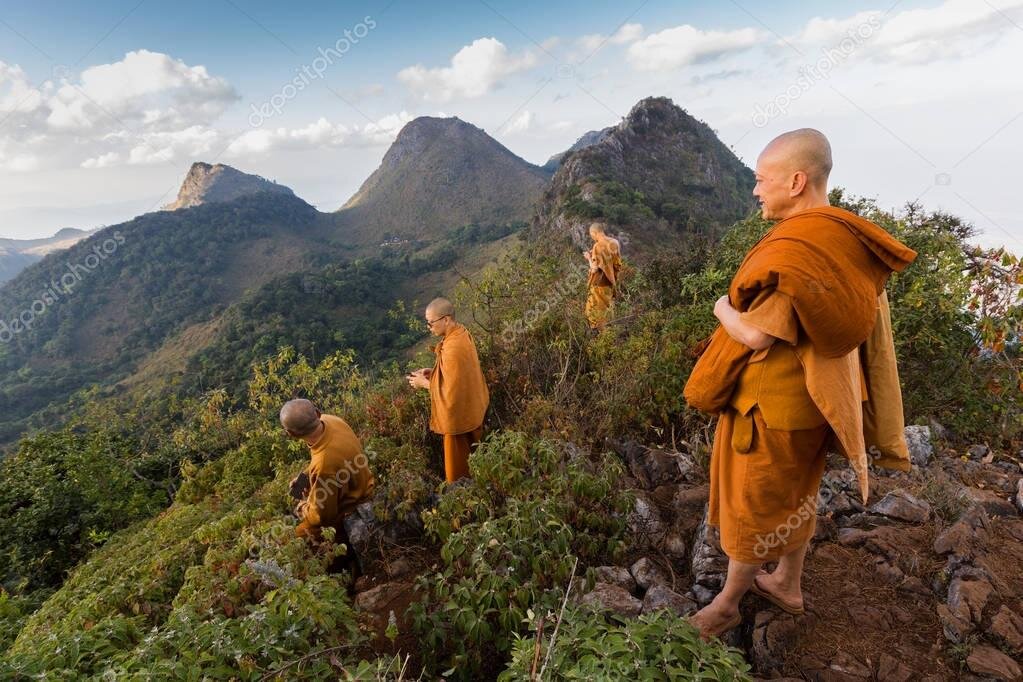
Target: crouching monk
{"x":458,"y":392}
{"x":605,"y":261}
{"x":803,"y":359}
{"x":338,"y":477}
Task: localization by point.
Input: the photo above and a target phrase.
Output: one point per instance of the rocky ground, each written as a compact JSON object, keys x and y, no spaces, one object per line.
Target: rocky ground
{"x":924,"y":582}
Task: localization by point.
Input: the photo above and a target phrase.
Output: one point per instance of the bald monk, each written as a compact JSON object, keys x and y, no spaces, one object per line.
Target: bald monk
{"x":458,"y":392}
{"x":803,"y":359}
{"x":339,"y":478}
{"x":605,"y":261}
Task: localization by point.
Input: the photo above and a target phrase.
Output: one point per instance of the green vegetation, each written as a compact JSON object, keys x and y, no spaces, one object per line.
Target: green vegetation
{"x":156,"y":539}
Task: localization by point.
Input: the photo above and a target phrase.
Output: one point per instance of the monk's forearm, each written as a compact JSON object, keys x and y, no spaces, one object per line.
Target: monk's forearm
{"x":740,"y":331}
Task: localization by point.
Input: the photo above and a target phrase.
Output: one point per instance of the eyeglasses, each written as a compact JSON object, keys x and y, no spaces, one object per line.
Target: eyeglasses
{"x":430,"y":323}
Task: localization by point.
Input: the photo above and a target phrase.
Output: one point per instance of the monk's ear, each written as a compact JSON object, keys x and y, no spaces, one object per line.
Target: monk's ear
{"x":797,"y":183}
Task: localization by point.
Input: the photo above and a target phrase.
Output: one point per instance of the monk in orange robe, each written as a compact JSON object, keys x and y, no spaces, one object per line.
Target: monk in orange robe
{"x":605,"y":261}
{"x":803,"y":359}
{"x":458,"y":392}
{"x":338,"y":477}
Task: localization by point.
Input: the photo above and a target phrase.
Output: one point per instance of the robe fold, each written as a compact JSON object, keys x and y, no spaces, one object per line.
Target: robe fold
{"x":606,"y":266}
{"x":458,"y":399}
{"x":339,"y":477}
{"x":815,"y":282}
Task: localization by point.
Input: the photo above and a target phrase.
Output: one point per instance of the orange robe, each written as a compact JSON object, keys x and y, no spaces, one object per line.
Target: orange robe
{"x":339,"y":478}
{"x":606,"y":258}
{"x":458,"y":399}
{"x":816,"y":283}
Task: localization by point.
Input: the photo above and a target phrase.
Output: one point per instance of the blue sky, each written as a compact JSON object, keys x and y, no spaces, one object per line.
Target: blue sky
{"x":103,"y":106}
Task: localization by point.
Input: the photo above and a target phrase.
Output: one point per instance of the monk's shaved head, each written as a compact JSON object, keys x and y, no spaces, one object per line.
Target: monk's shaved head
{"x":439,"y":307}
{"x":300,"y":417}
{"x":597,"y":229}
{"x":806,"y":150}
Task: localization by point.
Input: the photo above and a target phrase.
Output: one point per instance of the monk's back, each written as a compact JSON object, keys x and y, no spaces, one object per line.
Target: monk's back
{"x":338,"y":453}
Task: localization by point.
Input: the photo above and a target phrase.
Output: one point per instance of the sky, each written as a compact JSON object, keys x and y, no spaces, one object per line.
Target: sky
{"x":105,"y":105}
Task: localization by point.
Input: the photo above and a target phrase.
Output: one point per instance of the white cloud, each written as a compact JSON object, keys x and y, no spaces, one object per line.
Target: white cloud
{"x":520,"y":124}
{"x":319,"y":134}
{"x":102,"y":161}
{"x":474,"y":71}
{"x":147,"y":89}
{"x":626,"y":33}
{"x":683,"y":45}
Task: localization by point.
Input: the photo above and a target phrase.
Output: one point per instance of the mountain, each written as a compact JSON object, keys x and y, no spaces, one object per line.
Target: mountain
{"x":207,"y":184}
{"x":587,"y":140}
{"x":657,"y":176}
{"x":442,"y":173}
{"x":17,"y":254}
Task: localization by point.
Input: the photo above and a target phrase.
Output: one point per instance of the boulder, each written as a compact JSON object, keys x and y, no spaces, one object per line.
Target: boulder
{"x":902,"y":506}
{"x":966,"y":536}
{"x":978,"y":451}
{"x":616,"y":575}
{"x":709,"y":564}
{"x":1008,"y":627}
{"x":774,"y":634}
{"x":645,"y":519}
{"x":918,"y":438}
{"x":967,"y":598}
{"x":654,"y":466}
{"x":605,"y":596}
{"x":955,"y":629}
{"x":380,"y":598}
{"x":648,"y":574}
{"x":660,"y":597}
{"x":993,"y":503}
{"x":989,"y":661}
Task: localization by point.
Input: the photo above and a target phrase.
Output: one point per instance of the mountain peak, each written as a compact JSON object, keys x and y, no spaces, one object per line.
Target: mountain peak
{"x":212,"y":183}
{"x":443,"y":173}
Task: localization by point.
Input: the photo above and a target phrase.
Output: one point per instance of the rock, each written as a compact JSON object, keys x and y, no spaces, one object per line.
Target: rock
{"x":900,"y":505}
{"x":653,"y":467}
{"x":826,"y":529}
{"x":648,"y":574}
{"x":380,"y":598}
{"x":967,"y":598}
{"x":609,"y":597}
{"x":398,"y":568}
{"x":965,"y":536}
{"x":1008,"y":626}
{"x":660,"y":597}
{"x":1019,"y":495}
{"x":645,"y":518}
{"x":674,"y":546}
{"x":993,"y":503}
{"x":845,"y":667}
{"x":890,"y":669}
{"x":978,"y":451}
{"x":709,"y":564}
{"x":955,"y":629}
{"x":616,"y":575}
{"x":774,"y":634}
{"x":853,"y":537}
{"x":914,"y":585}
{"x":918,"y":438}
{"x":987,"y":660}
{"x":695,"y":496}
{"x":869,"y":617}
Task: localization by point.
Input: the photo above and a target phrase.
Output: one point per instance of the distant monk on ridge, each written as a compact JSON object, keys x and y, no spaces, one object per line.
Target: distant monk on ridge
{"x":803,"y":359}
{"x":458,"y":391}
{"x":338,"y":477}
{"x":605,"y":259}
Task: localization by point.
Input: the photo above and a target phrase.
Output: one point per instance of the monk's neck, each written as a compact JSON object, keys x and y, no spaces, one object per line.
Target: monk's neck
{"x":808,"y":203}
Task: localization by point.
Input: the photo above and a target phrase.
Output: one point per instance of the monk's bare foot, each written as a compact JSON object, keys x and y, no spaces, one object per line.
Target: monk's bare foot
{"x":714,"y":620}
{"x":790,"y":596}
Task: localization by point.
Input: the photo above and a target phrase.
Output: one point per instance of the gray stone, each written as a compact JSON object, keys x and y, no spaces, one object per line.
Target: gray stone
{"x":889,"y":669}
{"x":605,"y":596}
{"x":900,"y":505}
{"x":645,"y":519}
{"x":992,"y":502}
{"x":1019,"y":495}
{"x":398,"y":568}
{"x":615,"y":575}
{"x":660,"y":597}
{"x":955,"y":629}
{"x":709,"y":564}
{"x":967,"y":598}
{"x":1008,"y":626}
{"x":966,"y":536}
{"x":380,"y":598}
{"x":674,"y":546}
{"x":844,"y":667}
{"x":648,"y":574}
{"x":774,"y":634}
{"x":653,"y":466}
{"x":978,"y":451}
{"x":918,"y":438}
{"x":987,"y":660}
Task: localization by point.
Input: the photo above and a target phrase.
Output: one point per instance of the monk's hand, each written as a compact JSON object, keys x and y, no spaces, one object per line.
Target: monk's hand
{"x":418,"y":379}
{"x":722,"y":306}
